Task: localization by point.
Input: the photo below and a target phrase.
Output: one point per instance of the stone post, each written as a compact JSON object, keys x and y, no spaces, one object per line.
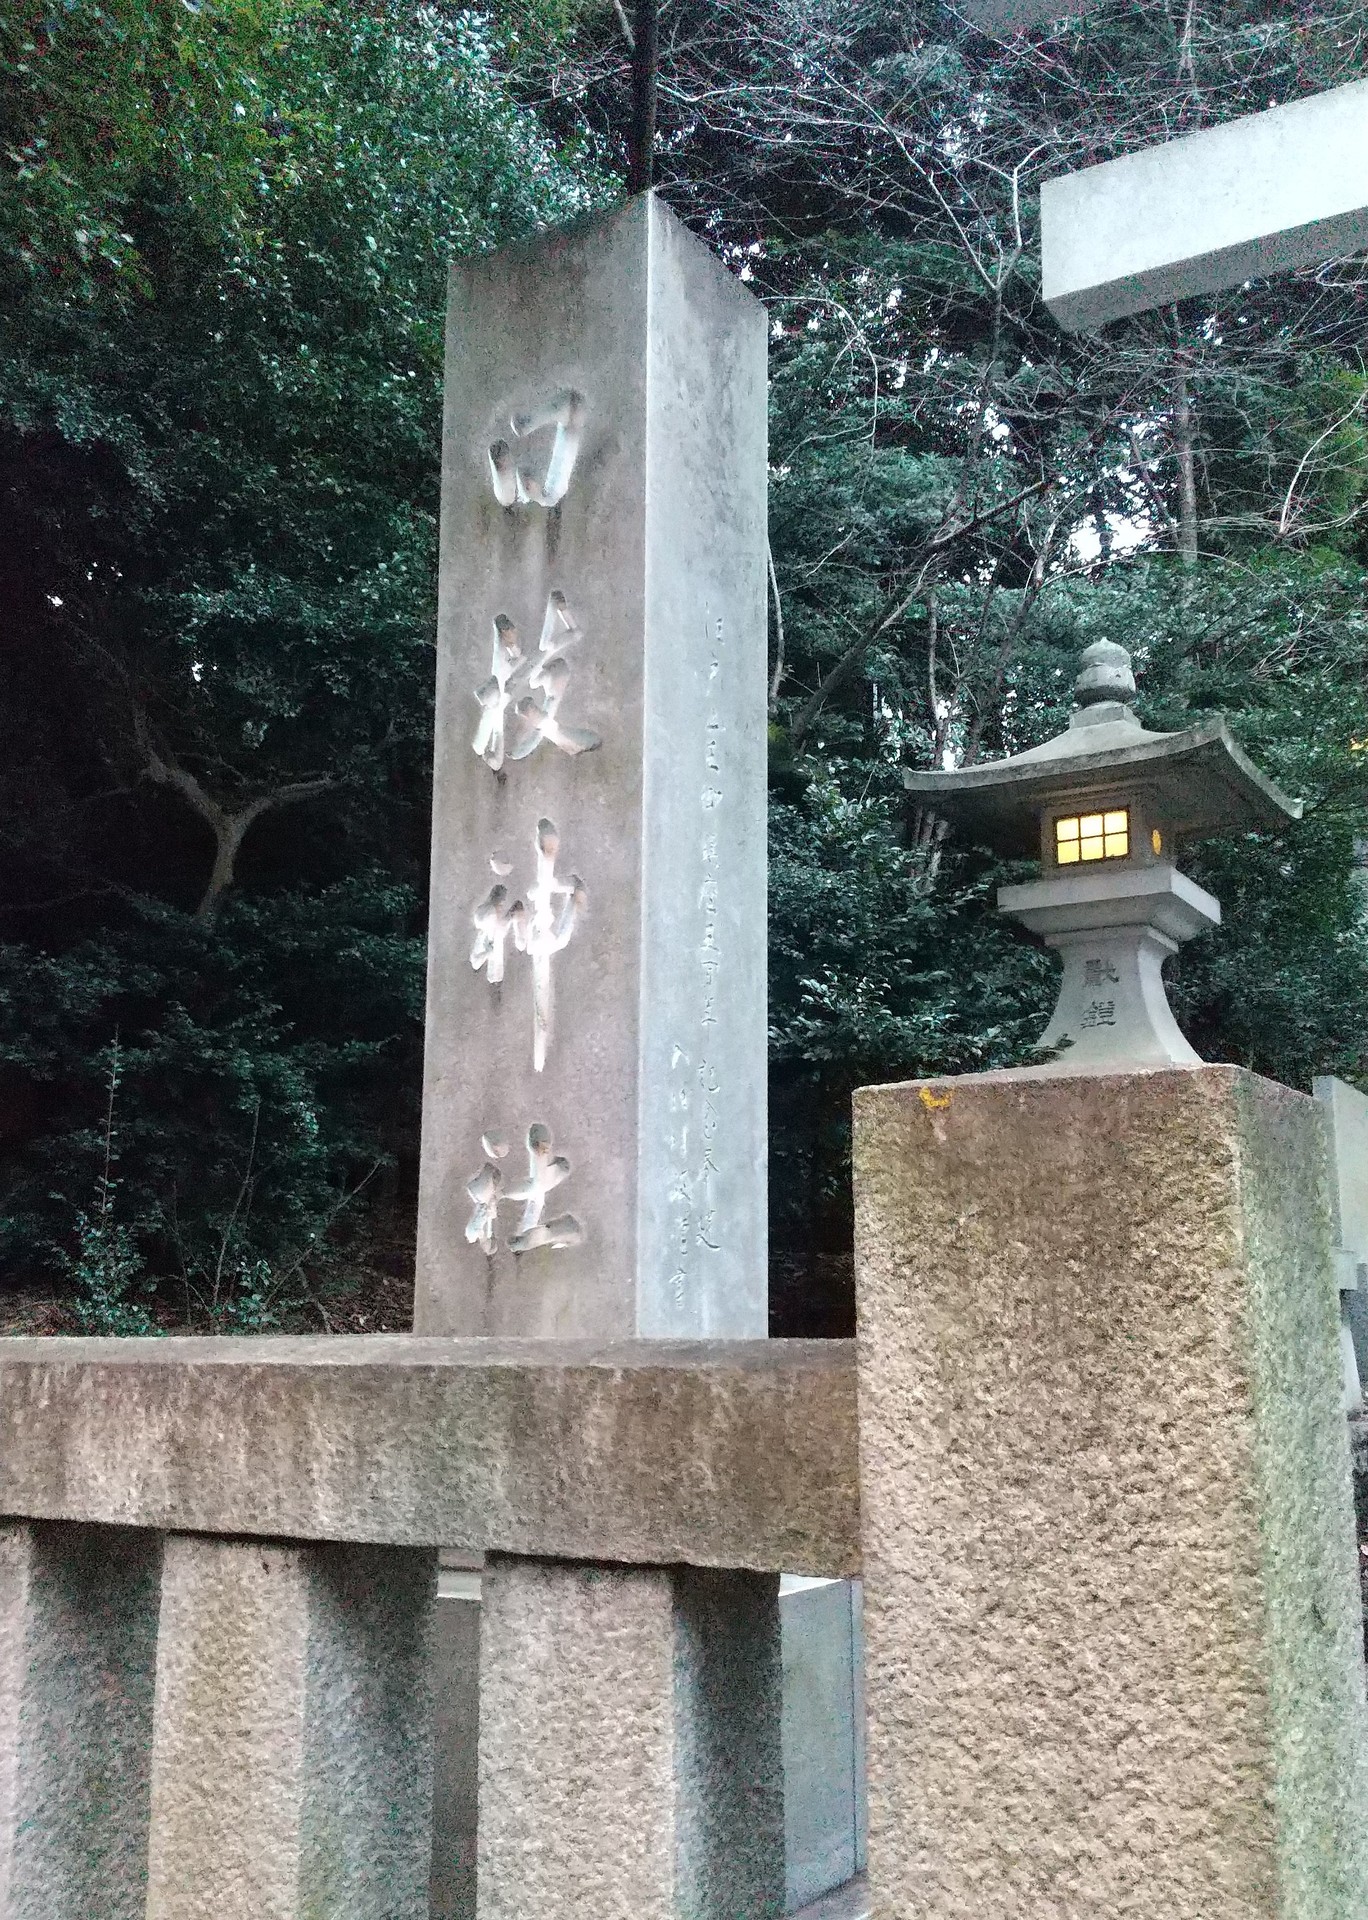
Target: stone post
{"x":78,"y":1629}
{"x":594,"y":1105}
{"x":1115,"y":1655}
{"x":1346,"y":1110}
{"x":630,"y":1762}
{"x":594,"y":1096}
{"x":292,"y":1767}
{"x":456,"y":1729}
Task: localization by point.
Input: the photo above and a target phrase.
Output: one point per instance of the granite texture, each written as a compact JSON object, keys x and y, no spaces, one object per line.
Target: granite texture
{"x":78,"y":1623}
{"x":1114,"y":1663}
{"x":292,"y":1765}
{"x":728,"y":1454}
{"x":728,"y":1737}
{"x":650,"y":1070}
{"x":629,"y":1745}
{"x":1312,"y":1625}
{"x":850,"y":1902}
{"x":824,"y":1772}
{"x":1346,"y":1112}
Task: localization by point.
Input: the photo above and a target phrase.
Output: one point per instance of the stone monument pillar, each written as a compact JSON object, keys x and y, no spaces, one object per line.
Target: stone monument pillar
{"x":594,"y":1110}
{"x":594,"y":1105}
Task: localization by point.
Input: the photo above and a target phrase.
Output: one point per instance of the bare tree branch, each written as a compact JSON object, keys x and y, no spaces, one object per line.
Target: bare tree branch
{"x":858,"y":648}
{"x":229,"y":826}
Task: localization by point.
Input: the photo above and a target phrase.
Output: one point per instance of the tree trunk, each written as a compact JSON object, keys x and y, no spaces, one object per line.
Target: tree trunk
{"x":1184,"y":443}
{"x":229,"y":830}
{"x":228,"y":827}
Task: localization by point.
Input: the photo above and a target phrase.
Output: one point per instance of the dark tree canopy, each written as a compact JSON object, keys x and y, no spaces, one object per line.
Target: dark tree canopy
{"x":225,"y":233}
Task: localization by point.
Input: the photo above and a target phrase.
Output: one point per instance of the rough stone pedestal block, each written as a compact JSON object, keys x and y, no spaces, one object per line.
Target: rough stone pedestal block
{"x":1114,"y":1650}
{"x":78,"y":1630}
{"x":292,"y":1770}
{"x":630,"y":1760}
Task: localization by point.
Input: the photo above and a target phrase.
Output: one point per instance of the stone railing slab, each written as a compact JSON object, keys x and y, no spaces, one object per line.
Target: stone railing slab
{"x":713,"y":1454}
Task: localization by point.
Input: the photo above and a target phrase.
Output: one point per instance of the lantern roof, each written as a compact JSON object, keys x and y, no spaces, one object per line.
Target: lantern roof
{"x":1198,"y":781}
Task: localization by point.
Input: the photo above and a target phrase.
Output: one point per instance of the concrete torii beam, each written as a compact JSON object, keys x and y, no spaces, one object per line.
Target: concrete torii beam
{"x":1262,"y":194}
{"x":1010,"y":16}
{"x":1268,"y":192}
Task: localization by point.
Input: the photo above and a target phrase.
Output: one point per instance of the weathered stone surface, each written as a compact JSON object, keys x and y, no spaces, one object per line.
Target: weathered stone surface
{"x":728,"y":1737}
{"x":822,"y":1738}
{"x":1271,"y":191}
{"x":1114,"y":1658}
{"x":1114,"y":930}
{"x":729,"y":1453}
{"x":78,"y":1623}
{"x":629,"y":1745}
{"x":625,"y":1014}
{"x":1346,"y":1112}
{"x":292,"y":1768}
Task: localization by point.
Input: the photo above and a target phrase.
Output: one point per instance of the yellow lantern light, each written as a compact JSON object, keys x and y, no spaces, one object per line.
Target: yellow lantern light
{"x":1092,"y":836}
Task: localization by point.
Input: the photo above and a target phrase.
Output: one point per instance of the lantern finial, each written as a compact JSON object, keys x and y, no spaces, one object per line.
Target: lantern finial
{"x":1104,"y":673}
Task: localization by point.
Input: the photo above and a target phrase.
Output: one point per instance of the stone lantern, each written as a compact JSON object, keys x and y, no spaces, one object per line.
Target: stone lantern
{"x":1103,"y":807}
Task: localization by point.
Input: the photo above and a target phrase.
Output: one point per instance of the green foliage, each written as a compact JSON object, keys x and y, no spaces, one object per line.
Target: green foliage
{"x":105,"y":1266}
{"x":225,"y":230}
{"x":1280,"y":645}
{"x":962,"y":497}
{"x":96,"y":100}
{"x":885,"y":964}
{"x":104,"y":1269}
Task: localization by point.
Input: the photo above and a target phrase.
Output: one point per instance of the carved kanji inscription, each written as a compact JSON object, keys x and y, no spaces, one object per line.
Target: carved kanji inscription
{"x":540,"y":924}
{"x":546,"y":1170}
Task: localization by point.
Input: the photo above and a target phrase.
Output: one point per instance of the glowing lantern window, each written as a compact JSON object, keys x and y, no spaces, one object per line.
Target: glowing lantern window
{"x":1092,"y":836}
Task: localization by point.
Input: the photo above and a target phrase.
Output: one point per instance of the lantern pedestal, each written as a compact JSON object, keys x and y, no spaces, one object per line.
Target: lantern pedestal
{"x":1114,"y":929}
